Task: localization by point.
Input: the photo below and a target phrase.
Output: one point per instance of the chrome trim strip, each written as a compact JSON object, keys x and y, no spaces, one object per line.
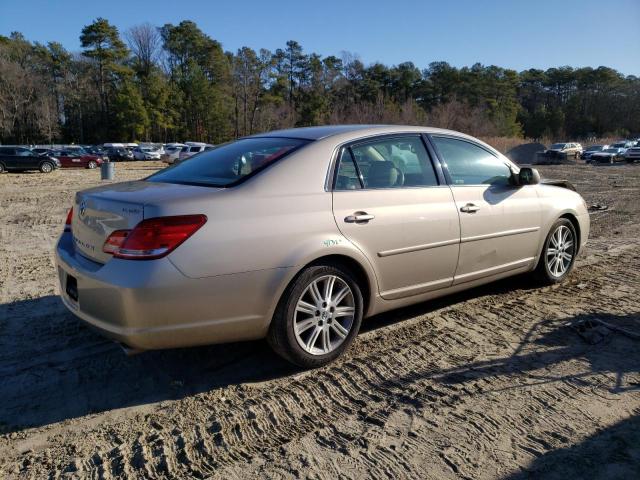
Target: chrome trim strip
{"x":506,"y":233}
{"x":416,"y":289}
{"x":444,"y":243}
{"x":415,"y":248}
{"x":505,"y":267}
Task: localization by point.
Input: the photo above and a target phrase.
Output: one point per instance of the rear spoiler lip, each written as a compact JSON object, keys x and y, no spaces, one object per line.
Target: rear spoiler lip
{"x":559,"y":183}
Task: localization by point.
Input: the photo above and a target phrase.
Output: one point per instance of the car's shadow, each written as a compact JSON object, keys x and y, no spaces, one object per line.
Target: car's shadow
{"x":53,"y":368}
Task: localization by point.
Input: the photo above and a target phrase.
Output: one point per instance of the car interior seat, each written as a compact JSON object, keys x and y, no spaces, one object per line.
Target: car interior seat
{"x":384,"y":175}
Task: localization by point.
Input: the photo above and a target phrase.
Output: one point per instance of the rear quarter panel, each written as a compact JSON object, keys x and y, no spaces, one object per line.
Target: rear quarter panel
{"x":280,"y":218}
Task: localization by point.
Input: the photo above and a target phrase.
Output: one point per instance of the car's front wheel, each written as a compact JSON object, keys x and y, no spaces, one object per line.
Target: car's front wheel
{"x":318,"y":316}
{"x":92,"y":164}
{"x":558,"y":253}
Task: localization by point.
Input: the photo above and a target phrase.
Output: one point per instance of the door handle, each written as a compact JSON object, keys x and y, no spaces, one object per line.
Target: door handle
{"x":469,"y":208}
{"x":359,"y":217}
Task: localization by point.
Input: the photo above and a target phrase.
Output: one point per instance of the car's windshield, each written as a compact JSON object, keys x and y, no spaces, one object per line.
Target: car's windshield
{"x":611,"y":150}
{"x":228,"y":164}
{"x":557,"y":145}
{"x":594,"y":148}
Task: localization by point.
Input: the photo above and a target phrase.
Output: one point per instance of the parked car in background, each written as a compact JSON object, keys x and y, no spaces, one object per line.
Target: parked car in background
{"x":145,"y":153}
{"x":623,"y":144}
{"x":609,"y":155}
{"x":77,"y":149}
{"x":40,"y":150}
{"x":632,"y":154}
{"x":118,"y":154}
{"x":20,"y":159}
{"x":71,"y":159}
{"x":171,"y":152}
{"x":191,"y":148}
{"x":96,"y":150}
{"x":586,"y":153}
{"x":298,"y":235}
{"x":564,"y":150}
{"x":131,"y":146}
{"x":156,"y":148}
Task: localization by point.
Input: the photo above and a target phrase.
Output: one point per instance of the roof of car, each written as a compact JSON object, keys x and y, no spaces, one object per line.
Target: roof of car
{"x":319,"y":132}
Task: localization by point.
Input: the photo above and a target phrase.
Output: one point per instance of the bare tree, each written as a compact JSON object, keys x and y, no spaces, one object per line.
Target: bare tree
{"x":145,"y":43}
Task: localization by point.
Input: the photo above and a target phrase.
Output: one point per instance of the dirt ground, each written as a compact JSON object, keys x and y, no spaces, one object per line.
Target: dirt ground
{"x":491,"y":383}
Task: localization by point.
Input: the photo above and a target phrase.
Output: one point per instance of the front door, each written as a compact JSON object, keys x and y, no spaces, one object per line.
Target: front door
{"x":499,"y":222}
{"x":388,"y":202}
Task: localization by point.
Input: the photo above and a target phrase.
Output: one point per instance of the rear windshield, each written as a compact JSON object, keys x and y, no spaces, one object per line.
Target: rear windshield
{"x":230,"y":163}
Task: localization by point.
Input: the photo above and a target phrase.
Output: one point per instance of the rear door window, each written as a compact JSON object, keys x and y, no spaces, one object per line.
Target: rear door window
{"x":392,"y":162}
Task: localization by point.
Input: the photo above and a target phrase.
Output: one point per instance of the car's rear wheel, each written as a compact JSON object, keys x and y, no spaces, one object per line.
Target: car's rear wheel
{"x":2,"y":169}
{"x":46,"y":167}
{"x":92,"y":164}
{"x":318,"y":316}
{"x":558,"y":253}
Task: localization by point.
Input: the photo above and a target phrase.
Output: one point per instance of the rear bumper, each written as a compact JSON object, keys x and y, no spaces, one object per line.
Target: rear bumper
{"x":152,"y":305}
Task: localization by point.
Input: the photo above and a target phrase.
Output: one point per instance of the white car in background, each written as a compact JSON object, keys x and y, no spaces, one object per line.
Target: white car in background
{"x":632,"y":154}
{"x":171,"y":152}
{"x":191,"y":148}
{"x":145,"y":153}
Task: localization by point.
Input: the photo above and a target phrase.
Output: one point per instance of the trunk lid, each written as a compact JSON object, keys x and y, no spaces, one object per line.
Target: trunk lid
{"x":100,"y":211}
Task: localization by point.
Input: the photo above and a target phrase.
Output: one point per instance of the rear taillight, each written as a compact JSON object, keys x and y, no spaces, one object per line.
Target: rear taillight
{"x":67,"y":223}
{"x":153,"y":238}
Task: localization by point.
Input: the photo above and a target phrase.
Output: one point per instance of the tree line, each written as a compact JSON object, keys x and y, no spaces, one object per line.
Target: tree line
{"x":177,"y":83}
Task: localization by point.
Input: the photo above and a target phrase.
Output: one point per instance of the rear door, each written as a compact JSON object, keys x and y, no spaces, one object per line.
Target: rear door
{"x":25,"y":159}
{"x":390,"y":203}
{"x":499,"y":223}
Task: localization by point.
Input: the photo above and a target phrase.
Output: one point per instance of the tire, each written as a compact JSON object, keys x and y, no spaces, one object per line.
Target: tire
{"x":2,"y":169}
{"x":305,"y":329}
{"x":46,"y":167}
{"x":92,"y":164}
{"x":549,"y":271}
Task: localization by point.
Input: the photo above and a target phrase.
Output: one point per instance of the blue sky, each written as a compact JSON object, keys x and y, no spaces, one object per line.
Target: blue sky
{"x":515,"y":34}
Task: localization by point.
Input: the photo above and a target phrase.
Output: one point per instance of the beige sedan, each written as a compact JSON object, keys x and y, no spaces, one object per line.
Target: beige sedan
{"x":298,"y":235}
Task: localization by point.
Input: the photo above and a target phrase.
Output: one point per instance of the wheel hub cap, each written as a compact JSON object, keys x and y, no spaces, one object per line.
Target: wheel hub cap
{"x":324,"y":315}
{"x":560,"y":251}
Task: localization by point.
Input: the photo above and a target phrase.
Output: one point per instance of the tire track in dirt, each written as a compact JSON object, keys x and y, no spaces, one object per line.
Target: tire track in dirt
{"x":389,"y":370}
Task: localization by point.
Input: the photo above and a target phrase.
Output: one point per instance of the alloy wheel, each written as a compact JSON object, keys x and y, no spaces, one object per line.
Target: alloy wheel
{"x":560,"y":251}
{"x":324,"y":315}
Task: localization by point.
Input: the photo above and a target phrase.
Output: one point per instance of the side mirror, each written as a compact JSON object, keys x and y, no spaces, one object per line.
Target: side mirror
{"x":528,"y":176}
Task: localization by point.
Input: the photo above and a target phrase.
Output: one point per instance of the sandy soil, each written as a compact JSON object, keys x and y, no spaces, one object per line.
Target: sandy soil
{"x":492,"y":383}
